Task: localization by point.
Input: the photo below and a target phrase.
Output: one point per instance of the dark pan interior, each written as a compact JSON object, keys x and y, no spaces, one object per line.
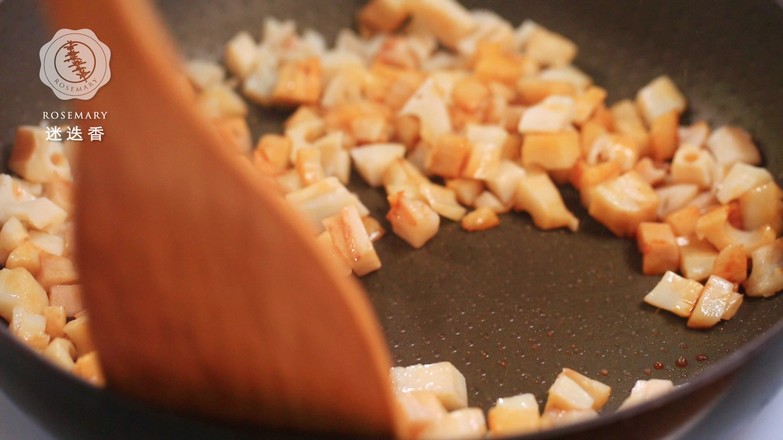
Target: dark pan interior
{"x":512,"y":305}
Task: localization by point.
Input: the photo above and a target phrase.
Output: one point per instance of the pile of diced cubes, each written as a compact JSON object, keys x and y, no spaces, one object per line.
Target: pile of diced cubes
{"x":461,"y":117}
{"x":433,"y":403}
{"x":39,"y":286}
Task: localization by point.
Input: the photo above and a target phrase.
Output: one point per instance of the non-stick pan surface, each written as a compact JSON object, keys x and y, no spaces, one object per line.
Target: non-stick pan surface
{"x":513,"y":305}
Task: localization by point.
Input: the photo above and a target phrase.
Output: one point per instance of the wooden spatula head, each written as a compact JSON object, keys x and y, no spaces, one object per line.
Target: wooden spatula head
{"x":205,"y":291}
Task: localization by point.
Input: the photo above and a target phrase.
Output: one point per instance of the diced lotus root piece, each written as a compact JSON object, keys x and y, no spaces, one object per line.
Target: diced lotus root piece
{"x":418,"y":410}
{"x":466,"y":423}
{"x":733,"y":144}
{"x":539,"y":196}
{"x":715,"y":227}
{"x":624,"y":202}
{"x":551,"y":151}
{"x":766,"y":277}
{"x":714,"y":301}
{"x":645,"y":390}
{"x":383,"y":15}
{"x":480,"y":219}
{"x":442,"y":379}
{"x":659,"y":97}
{"x":412,"y":220}
{"x":299,"y":82}
{"x":659,"y":249}
{"x":350,"y":238}
{"x":675,"y":294}
{"x":514,"y":415}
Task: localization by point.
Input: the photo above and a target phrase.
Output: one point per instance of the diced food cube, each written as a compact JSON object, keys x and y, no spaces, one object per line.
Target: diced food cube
{"x":659,"y":249}
{"x":441,"y":379}
{"x":514,"y":415}
{"x":645,"y":390}
{"x":467,"y":423}
{"x":624,"y":202}
{"x":675,"y":294}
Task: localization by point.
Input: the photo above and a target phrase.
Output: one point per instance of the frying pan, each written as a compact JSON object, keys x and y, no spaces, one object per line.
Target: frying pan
{"x":510,"y":306}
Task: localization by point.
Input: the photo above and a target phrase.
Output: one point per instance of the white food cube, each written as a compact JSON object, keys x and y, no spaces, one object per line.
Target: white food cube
{"x":428,"y":105}
{"x":712,"y":303}
{"x":554,"y":418}
{"x":29,"y":327}
{"x":645,"y":390}
{"x":49,"y":243}
{"x":78,"y":332}
{"x":489,"y":27}
{"x":240,"y":54}
{"x":68,"y":296}
{"x":61,"y":352}
{"x":442,"y":200}
{"x":418,"y":409}
{"x":345,"y":86}
{"x":598,"y":391}
{"x":568,"y":74}
{"x":556,"y":152}
{"x":352,"y":241}
{"x":26,"y":256}
{"x":760,"y":206}
{"x":371,"y":161}
{"x":441,"y":379}
{"x":335,"y":160}
{"x":324,"y":241}
{"x":89,"y":368}
{"x":504,"y":180}
{"x":41,"y":213}
{"x":383,"y":15}
{"x":36,"y":159}
{"x":204,"y":73}
{"x":56,"y":270}
{"x":403,"y":172}
{"x":447,"y":19}
{"x":566,"y":394}
{"x":695,"y":134}
{"x":288,"y":181}
{"x":467,"y":190}
{"x":621,"y":149}
{"x":714,"y":226}
{"x":766,"y":277}
{"x":675,"y":294}
{"x":259,"y":83}
{"x":514,"y":415}
{"x":467,"y":423}
{"x":546,"y":47}
{"x":412,"y":220}
{"x":12,"y":234}
{"x":221,"y":101}
{"x":622,"y":203}
{"x":487,"y":200}
{"x":627,"y":121}
{"x":697,"y":259}
{"x":693,"y":165}
{"x":674,"y":197}
{"x":733,"y":144}
{"x":658,"y":97}
{"x":323,"y":199}
{"x":539,"y":196}
{"x":740,"y":179}
{"x":19,"y":288}
{"x":553,"y":114}
{"x":487,"y":147}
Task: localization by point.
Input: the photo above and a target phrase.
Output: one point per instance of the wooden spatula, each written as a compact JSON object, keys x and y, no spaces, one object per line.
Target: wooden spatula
{"x":205,"y":292}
